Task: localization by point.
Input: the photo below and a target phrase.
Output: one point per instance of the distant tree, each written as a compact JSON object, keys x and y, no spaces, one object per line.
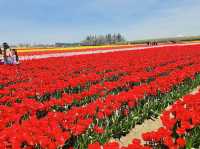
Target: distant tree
{"x":103,"y":39}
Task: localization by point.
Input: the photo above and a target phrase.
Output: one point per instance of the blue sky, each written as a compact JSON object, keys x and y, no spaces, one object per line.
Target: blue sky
{"x":48,"y":21}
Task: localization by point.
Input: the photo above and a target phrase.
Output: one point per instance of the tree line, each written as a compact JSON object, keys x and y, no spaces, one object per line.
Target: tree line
{"x":93,"y":40}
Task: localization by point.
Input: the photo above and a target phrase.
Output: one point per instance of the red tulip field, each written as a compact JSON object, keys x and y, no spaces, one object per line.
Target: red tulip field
{"x":85,"y":101}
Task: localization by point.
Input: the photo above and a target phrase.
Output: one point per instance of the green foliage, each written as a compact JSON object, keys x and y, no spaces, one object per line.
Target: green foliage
{"x":103,"y":39}
{"x":150,"y":107}
{"x":193,"y":138}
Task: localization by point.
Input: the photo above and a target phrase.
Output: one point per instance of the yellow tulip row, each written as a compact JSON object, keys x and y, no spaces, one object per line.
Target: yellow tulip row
{"x":66,"y":49}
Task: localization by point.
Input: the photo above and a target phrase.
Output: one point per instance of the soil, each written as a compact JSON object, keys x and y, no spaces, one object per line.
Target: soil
{"x":147,"y":126}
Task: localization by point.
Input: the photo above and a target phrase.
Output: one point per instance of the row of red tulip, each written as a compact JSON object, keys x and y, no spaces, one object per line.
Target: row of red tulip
{"x":68,"y":99}
{"x":35,"y":106}
{"x":178,"y":121}
{"x":79,"y":67}
{"x":34,"y":128}
{"x":182,"y":117}
{"x":77,"y":120}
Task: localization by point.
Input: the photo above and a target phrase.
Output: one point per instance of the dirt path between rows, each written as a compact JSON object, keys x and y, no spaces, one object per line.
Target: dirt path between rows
{"x":147,"y":126}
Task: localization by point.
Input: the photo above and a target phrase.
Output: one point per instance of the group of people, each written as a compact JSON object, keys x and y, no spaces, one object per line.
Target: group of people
{"x":8,"y":55}
{"x":153,"y":43}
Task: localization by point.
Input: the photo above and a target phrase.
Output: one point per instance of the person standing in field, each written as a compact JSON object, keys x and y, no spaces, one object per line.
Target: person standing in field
{"x":10,"y":56}
{"x":7,"y":53}
{"x":1,"y":56}
{"x":14,"y":56}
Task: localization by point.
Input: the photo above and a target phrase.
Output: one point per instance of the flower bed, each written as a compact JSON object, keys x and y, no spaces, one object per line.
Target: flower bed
{"x":40,"y":51}
{"x":72,"y":102}
{"x":181,"y":128}
{"x":181,"y":125}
